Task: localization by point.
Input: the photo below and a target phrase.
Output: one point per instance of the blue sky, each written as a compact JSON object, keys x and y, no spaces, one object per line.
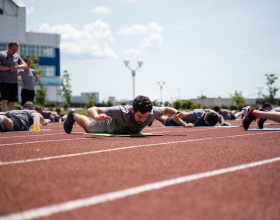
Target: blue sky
{"x":197,"y":47}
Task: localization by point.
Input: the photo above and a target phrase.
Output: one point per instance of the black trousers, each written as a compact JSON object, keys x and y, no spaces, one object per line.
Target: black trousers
{"x":27,"y":95}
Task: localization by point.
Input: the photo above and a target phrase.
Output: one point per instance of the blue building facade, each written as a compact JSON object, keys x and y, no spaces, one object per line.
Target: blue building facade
{"x":45,"y":46}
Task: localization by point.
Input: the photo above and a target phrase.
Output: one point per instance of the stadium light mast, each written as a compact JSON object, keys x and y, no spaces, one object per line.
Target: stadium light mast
{"x":161,"y":85}
{"x":260,"y":91}
{"x":133,"y":72}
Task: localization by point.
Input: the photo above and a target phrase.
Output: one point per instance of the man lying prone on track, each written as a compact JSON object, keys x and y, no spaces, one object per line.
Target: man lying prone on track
{"x":119,"y":119}
{"x":20,"y":120}
{"x":196,"y":117}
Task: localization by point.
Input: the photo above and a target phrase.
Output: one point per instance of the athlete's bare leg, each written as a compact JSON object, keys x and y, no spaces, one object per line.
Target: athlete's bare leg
{"x":82,"y":120}
{"x":274,"y":116}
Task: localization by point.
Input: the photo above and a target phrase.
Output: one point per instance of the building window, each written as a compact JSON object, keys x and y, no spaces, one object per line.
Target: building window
{"x":37,"y":50}
{"x":31,"y":50}
{"x":47,"y":71}
{"x":3,"y":47}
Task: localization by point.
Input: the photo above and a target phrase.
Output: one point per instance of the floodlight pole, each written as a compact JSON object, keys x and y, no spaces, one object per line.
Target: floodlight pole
{"x":161,"y":85}
{"x":133,"y":72}
{"x":260,"y":92}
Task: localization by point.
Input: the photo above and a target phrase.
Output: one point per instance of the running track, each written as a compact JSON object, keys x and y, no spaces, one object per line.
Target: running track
{"x":189,"y":173}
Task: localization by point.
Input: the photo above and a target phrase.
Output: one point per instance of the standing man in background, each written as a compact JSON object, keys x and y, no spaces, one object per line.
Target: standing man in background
{"x":28,"y":79}
{"x":10,"y":62}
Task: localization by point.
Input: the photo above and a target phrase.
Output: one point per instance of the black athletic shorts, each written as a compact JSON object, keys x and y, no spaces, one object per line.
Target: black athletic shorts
{"x":169,"y":122}
{"x":9,"y":91}
{"x":18,"y":126}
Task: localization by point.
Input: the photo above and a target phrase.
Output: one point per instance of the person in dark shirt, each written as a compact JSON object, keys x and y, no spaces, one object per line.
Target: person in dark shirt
{"x":196,"y":117}
{"x":20,"y":120}
{"x":10,"y":62}
{"x":52,"y":115}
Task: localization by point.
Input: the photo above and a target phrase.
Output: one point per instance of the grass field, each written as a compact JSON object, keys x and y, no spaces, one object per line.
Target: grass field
{"x":80,"y":111}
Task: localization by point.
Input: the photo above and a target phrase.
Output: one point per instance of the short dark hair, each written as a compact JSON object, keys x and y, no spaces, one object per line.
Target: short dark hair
{"x":212,"y":118}
{"x":267,"y":105}
{"x":142,"y":104}
{"x":38,"y":108}
{"x":28,"y":105}
{"x":217,"y":108}
{"x":13,"y":43}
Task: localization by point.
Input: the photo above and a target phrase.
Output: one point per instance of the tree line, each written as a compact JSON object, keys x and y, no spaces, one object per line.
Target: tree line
{"x":66,"y":92}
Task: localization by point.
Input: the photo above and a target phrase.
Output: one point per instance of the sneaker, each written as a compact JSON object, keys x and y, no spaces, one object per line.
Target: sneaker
{"x":260,"y":121}
{"x":245,"y":111}
{"x":248,"y":118}
{"x":69,"y":121}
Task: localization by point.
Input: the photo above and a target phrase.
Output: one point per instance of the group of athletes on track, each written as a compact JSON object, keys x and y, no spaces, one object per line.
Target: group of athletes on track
{"x":120,"y":119}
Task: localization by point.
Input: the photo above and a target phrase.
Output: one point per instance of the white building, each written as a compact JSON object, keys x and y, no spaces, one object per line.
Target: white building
{"x":44,"y":46}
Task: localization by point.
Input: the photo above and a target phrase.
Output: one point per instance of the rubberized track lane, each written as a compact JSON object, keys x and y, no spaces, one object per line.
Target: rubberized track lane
{"x":251,"y":193}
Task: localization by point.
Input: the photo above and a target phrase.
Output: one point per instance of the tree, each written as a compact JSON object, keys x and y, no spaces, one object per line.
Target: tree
{"x":91,"y":100}
{"x":188,"y":104}
{"x":271,"y":78}
{"x":177,"y":104}
{"x":66,"y":91}
{"x":237,"y":97}
{"x":109,"y":103}
{"x":40,"y":95}
{"x":166,"y":103}
{"x":202,"y":97}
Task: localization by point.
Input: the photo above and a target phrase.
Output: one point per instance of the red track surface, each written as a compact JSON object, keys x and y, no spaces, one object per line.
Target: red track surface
{"x":52,"y":170}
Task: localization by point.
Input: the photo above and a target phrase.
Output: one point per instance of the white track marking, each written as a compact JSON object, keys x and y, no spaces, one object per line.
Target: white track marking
{"x":36,"y":142}
{"x":30,"y":142}
{"x":120,"y":148}
{"x":32,"y":135}
{"x":111,"y":196}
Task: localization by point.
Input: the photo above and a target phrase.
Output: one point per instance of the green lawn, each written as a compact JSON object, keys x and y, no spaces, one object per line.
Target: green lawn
{"x":79,"y":111}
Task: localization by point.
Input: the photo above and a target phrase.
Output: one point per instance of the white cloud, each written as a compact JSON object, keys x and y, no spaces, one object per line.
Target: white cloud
{"x":132,"y":51}
{"x":29,"y":10}
{"x":101,"y":10}
{"x":141,"y":29}
{"x":152,"y":41}
{"x":20,"y":3}
{"x":93,"y":39}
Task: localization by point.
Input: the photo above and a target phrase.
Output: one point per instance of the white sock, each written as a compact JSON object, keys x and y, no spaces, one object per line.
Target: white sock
{"x":1,"y":119}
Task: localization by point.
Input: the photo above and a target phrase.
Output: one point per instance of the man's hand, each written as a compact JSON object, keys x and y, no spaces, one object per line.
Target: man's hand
{"x":189,"y":125}
{"x":14,"y":68}
{"x":225,"y":124}
{"x":102,"y":117}
{"x":46,"y":121}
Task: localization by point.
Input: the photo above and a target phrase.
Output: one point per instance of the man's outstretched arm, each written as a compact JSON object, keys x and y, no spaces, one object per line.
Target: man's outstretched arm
{"x":173,"y":112}
{"x":98,"y":113}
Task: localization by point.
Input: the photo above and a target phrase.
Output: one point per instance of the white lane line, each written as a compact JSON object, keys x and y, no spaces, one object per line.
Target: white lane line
{"x":36,"y":142}
{"x":121,"y":148}
{"x":111,"y":196}
{"x":32,"y":135}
